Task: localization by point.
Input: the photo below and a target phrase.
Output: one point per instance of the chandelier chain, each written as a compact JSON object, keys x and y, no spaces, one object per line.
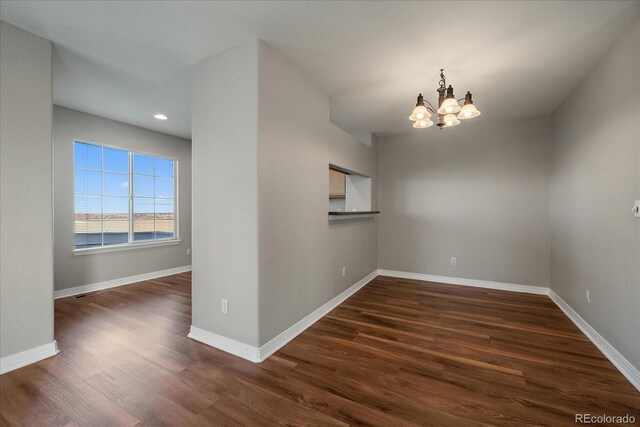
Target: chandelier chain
{"x":443,"y":82}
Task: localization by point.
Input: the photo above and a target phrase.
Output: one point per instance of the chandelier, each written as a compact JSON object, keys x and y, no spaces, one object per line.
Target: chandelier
{"x":449,"y":111}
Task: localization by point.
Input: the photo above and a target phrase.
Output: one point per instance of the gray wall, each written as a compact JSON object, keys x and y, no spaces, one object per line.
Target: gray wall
{"x":596,"y":177}
{"x":269,"y":249}
{"x":478,"y":192}
{"x":76,"y":270}
{"x":26,"y":240}
{"x":301,"y":251}
{"x":225,"y":193}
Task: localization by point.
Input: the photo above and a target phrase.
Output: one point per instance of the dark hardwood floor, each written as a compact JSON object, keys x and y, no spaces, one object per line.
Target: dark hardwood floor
{"x":398,"y":352}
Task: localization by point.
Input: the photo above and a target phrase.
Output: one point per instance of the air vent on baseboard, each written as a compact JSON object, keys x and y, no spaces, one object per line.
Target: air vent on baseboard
{"x":86,"y":295}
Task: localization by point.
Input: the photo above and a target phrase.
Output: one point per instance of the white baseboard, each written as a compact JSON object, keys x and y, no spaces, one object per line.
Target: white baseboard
{"x":259,"y":354}
{"x":27,"y":357}
{"x":624,"y":366}
{"x":538,"y":290}
{"x":229,"y":345}
{"x":284,"y":337}
{"x":99,"y":286}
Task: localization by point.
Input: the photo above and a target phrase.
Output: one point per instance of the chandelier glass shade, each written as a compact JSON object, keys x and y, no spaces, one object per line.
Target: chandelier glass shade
{"x":420,"y":113}
{"x":468,"y":112}
{"x":450,"y":120}
{"x":424,"y":123}
{"x":449,"y":111}
{"x":449,"y":106}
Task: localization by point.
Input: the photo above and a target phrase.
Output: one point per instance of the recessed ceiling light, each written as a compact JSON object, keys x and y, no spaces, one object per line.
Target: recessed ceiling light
{"x":160,"y":116}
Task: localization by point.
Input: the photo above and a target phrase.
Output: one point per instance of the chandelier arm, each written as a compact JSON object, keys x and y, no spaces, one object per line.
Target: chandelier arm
{"x":430,"y":106}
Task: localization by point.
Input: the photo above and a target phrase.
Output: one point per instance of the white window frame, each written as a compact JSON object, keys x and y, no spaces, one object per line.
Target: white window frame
{"x":131,"y":244}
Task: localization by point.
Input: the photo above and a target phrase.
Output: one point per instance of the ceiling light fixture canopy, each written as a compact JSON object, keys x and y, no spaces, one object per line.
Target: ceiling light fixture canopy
{"x":449,"y":110}
{"x":160,"y":116}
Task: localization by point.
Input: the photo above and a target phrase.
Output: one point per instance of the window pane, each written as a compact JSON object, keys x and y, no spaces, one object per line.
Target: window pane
{"x":116,"y":184}
{"x":164,"y":229}
{"x":143,"y":186}
{"x":143,"y":212}
{"x":115,"y":208}
{"x":143,"y":165}
{"x":164,"y":167}
{"x":115,"y":238}
{"x":164,"y":188}
{"x":115,"y":231}
{"x":88,"y":182}
{"x":143,"y":206}
{"x":116,"y":160}
{"x":164,"y":209}
{"x":143,"y":228}
{"x":81,"y":238}
{"x":142,"y":235}
{"x":88,"y":233}
{"x":88,"y":156}
{"x":115,"y":226}
{"x":88,"y":205}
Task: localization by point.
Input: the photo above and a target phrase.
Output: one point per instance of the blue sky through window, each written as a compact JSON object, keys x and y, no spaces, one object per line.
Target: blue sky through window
{"x":153,"y":178}
{"x":88,"y":156}
{"x":102,"y":195}
{"x":116,"y":160}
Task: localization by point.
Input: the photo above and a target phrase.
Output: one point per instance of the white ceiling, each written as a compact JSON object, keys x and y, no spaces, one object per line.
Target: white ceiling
{"x":128,"y":60}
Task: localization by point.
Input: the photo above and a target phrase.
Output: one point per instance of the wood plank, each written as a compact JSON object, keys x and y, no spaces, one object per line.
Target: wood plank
{"x":398,"y":352}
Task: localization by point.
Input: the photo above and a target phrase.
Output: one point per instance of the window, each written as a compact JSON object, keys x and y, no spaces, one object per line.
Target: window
{"x":122,"y":197}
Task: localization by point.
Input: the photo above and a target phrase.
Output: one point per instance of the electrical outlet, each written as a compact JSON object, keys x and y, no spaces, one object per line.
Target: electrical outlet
{"x":454,"y":261}
{"x":344,"y":271}
{"x":588,"y":295}
{"x":188,"y":251}
{"x":225,"y":306}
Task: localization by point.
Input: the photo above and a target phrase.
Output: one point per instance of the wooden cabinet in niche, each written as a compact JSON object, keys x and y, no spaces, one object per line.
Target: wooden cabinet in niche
{"x":337,"y":184}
